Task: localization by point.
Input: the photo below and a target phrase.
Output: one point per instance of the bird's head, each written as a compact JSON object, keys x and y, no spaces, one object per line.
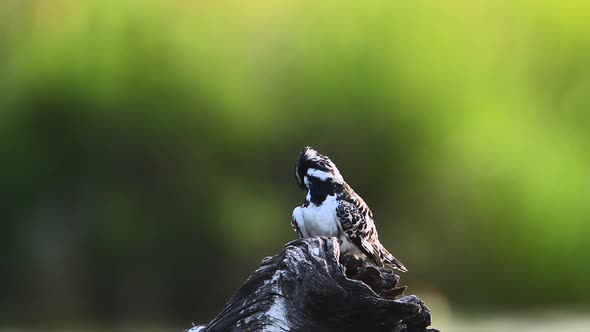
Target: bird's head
{"x":313,"y":167}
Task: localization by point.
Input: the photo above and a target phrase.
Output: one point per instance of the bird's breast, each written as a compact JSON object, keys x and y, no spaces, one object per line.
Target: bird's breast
{"x":320,"y":220}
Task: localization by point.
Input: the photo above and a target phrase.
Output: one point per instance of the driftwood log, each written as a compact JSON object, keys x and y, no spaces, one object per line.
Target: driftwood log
{"x":307,"y":288}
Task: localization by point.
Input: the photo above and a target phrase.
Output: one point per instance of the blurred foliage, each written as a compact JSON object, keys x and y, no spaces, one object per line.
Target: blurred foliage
{"x":147,"y":147}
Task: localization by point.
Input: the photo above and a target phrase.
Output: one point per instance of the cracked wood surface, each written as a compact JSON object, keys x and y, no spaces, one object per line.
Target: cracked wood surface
{"x":306,"y":288}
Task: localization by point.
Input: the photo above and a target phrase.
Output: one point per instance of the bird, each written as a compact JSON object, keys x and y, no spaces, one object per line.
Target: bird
{"x":332,"y":209}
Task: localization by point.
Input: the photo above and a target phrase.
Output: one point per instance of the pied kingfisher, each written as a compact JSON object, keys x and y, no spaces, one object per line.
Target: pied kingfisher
{"x":333,"y":209}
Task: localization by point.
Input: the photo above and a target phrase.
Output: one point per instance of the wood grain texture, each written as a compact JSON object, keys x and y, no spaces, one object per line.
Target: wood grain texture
{"x":306,"y":288}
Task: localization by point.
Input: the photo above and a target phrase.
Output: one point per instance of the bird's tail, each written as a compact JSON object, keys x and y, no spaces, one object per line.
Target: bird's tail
{"x":391,"y":262}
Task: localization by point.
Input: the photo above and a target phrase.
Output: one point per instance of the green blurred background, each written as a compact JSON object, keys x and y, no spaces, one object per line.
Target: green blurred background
{"x":147,"y":150}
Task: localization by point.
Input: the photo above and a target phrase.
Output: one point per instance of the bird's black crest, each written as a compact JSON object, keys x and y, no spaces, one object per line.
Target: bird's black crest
{"x":310,"y":158}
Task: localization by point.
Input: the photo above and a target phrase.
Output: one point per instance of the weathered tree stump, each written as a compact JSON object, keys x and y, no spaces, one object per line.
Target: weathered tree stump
{"x":306,"y":288}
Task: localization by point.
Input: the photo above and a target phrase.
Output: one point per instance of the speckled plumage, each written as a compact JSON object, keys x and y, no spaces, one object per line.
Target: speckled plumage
{"x":333,"y":209}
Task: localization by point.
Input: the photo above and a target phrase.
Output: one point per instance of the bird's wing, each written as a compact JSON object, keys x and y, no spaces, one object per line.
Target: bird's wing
{"x":357,"y":223}
{"x":354,"y":198}
{"x":358,"y":228}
